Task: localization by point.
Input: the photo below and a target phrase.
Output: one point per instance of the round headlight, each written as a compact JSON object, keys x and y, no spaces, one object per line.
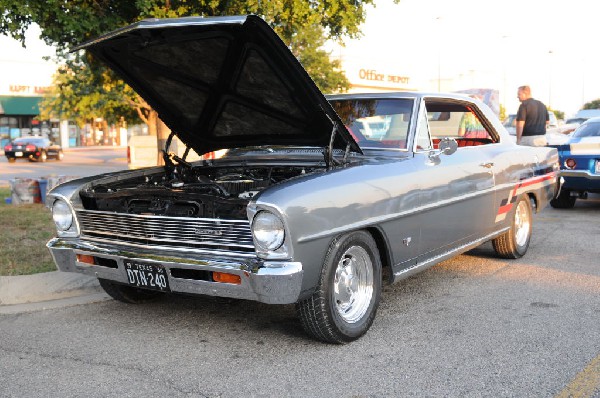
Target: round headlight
{"x":62,"y":216}
{"x":267,"y":230}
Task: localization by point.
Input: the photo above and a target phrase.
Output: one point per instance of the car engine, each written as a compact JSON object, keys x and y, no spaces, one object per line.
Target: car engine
{"x":189,"y":191}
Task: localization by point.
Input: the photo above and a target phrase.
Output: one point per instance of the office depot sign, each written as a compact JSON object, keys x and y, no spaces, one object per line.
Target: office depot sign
{"x":372,"y":74}
{"x":377,"y":79}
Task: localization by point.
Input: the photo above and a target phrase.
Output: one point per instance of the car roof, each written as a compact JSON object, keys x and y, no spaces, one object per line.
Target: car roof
{"x":593,"y":120}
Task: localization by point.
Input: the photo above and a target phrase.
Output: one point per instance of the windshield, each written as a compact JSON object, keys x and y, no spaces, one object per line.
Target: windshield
{"x":587,"y":130}
{"x":376,"y":123}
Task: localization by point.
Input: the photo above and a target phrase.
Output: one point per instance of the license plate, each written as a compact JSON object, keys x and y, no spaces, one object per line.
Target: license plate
{"x":147,"y":276}
{"x":18,"y":153}
{"x":597,"y":166}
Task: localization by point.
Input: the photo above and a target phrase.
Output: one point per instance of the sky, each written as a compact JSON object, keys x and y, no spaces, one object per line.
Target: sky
{"x":25,"y":66}
{"x":504,"y":44}
{"x":461,"y":44}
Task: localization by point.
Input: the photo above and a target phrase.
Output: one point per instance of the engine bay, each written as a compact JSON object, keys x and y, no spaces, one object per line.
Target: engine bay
{"x":185,"y":190}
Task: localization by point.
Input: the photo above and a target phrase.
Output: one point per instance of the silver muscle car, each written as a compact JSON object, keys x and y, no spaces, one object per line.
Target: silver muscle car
{"x":315,"y":196}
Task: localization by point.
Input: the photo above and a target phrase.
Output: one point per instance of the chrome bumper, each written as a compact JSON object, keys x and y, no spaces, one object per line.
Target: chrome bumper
{"x":580,"y":173}
{"x":271,"y":282}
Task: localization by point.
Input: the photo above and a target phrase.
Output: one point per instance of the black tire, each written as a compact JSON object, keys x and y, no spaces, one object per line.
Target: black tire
{"x":43,"y":157}
{"x":11,"y":160}
{"x":515,"y":242}
{"x":353,"y":263}
{"x":60,"y":155}
{"x":128,"y":294}
{"x":564,"y":200}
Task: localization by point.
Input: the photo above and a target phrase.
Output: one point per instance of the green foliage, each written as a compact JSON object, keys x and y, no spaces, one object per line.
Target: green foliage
{"x":81,"y":95}
{"x":595,"y":104}
{"x":502,"y":114}
{"x":559,"y":114}
{"x":302,"y":25}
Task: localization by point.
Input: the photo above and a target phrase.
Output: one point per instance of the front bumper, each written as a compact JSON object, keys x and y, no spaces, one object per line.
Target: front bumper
{"x":275,"y":282}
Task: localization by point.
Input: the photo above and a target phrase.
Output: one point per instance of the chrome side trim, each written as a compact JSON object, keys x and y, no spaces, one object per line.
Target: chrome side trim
{"x":405,"y":273}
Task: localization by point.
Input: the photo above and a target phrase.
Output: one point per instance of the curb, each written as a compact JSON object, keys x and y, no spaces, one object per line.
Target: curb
{"x":46,"y":286}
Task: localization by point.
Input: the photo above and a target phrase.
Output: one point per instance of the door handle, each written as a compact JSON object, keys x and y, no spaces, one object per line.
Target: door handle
{"x":487,"y":165}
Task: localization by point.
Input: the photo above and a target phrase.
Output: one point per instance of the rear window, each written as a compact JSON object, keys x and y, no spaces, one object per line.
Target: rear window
{"x":33,"y":141}
{"x":587,"y":130}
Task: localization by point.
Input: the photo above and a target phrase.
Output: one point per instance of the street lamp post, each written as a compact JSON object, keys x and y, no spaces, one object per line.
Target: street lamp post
{"x":439,"y":80}
{"x":550,"y":78}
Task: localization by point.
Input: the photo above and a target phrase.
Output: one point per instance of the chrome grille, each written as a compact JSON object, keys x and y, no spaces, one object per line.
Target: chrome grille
{"x":201,"y":233}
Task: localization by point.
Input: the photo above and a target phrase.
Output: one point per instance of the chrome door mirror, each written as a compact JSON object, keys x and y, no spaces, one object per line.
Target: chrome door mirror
{"x":446,"y":146}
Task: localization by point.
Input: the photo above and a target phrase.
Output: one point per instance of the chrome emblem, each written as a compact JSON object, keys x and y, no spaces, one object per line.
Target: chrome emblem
{"x":198,"y":231}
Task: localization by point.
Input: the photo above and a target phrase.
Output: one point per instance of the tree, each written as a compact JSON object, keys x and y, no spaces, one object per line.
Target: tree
{"x":502,"y":114}
{"x":595,"y":104}
{"x":302,"y":25}
{"x":557,"y":113}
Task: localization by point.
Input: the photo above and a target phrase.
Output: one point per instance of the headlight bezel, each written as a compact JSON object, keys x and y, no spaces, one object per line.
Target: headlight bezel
{"x":69,"y":226}
{"x":62,"y":215}
{"x":268,"y":231}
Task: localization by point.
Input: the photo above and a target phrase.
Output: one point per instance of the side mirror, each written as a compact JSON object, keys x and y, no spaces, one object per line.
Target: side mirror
{"x":447,"y":146}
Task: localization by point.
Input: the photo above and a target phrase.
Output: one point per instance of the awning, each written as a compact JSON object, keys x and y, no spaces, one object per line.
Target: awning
{"x":14,"y":106}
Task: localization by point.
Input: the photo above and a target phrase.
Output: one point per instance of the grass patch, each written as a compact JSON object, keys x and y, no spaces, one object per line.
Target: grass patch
{"x":24,"y":232}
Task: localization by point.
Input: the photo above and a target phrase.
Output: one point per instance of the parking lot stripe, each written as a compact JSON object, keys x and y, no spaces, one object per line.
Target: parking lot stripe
{"x":585,"y":383}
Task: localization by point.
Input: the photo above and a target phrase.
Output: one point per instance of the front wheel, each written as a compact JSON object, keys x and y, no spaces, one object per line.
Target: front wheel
{"x":127,"y":294}
{"x":60,"y":155}
{"x":515,"y":242}
{"x":345,"y":302}
{"x":43,"y":156}
{"x":564,"y":200}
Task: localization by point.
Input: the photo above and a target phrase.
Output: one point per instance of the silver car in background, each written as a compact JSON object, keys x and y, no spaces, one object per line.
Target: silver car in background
{"x":303,"y":208}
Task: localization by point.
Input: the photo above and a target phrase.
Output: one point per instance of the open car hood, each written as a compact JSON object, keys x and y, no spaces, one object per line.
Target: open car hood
{"x":222,"y":82}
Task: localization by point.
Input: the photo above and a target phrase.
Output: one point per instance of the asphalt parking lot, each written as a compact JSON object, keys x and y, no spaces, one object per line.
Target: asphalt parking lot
{"x":472,"y":326}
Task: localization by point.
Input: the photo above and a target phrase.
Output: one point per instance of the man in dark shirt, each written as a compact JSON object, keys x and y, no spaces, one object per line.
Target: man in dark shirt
{"x":532,"y":119}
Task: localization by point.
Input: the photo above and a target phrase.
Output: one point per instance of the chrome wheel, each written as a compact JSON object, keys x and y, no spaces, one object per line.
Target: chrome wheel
{"x":522,"y":224}
{"x":515,"y":242}
{"x":353,"y":284}
{"x":345,"y":302}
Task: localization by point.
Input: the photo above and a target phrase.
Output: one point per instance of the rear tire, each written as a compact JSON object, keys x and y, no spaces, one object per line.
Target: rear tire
{"x":345,"y":302}
{"x":60,"y":155}
{"x":128,"y":294}
{"x":43,"y":157}
{"x":515,"y":242}
{"x":564,"y":200}
{"x":11,"y":160}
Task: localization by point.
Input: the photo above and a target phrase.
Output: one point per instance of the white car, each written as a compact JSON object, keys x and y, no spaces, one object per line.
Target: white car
{"x":554,"y":133}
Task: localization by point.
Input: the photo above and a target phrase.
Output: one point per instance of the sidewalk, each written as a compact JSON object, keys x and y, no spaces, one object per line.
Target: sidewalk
{"x":45,"y":287}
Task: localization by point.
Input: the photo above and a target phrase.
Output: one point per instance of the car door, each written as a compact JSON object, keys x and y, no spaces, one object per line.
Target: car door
{"x":457,"y":191}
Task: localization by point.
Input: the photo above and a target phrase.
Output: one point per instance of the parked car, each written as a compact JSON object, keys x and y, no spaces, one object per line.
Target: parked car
{"x":580,"y":164}
{"x":510,"y":123}
{"x":297,"y":210}
{"x":34,"y":148}
{"x":576,"y":120}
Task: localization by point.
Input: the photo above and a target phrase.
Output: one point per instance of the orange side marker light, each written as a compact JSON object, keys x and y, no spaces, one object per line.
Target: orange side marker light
{"x":226,"y":278}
